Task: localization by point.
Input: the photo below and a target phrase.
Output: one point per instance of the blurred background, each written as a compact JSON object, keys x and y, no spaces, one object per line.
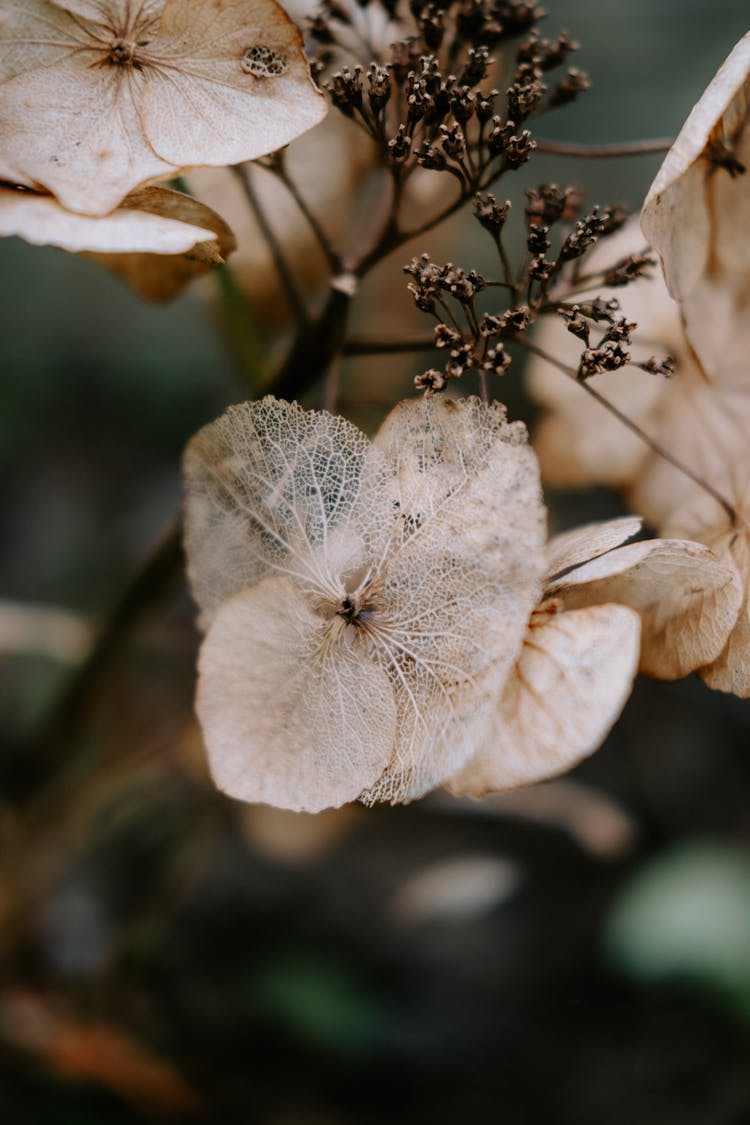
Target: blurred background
{"x":576,"y":953}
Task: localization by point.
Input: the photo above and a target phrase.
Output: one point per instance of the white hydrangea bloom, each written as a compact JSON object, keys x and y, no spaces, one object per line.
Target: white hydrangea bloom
{"x":364,"y":602}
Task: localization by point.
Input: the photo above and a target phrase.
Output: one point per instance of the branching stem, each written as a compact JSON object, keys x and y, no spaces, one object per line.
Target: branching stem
{"x":631,"y":425}
{"x":297,"y":305}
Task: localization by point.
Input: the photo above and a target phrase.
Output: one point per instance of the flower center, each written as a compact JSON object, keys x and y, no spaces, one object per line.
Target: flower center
{"x":122,"y":53}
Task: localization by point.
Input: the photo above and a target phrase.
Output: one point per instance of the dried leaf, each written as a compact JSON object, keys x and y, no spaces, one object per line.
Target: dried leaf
{"x":697,"y":216}
{"x":101,"y":97}
{"x":686,"y":598}
{"x":99,"y":1053}
{"x":414,"y":562}
{"x":157,"y":239}
{"x":567,"y":689}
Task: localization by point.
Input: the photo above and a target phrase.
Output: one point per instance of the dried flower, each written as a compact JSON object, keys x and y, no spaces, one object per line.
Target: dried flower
{"x":364,"y":601}
{"x":100,"y":96}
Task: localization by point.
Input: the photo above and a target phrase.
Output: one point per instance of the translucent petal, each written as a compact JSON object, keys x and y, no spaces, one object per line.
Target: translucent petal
{"x":294,"y":711}
{"x":275,"y":489}
{"x":460,"y":579}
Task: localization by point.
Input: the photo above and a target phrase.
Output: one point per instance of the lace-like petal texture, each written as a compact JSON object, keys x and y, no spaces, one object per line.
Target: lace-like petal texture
{"x":365,"y":602}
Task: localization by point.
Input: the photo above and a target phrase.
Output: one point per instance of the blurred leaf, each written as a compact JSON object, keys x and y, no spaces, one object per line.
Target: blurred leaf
{"x":686,"y":915}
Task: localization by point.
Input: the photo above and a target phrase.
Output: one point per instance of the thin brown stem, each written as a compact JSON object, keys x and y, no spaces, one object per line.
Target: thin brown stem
{"x":603,"y":152}
{"x":286,"y":277}
{"x":631,"y":425}
{"x":330,"y":254}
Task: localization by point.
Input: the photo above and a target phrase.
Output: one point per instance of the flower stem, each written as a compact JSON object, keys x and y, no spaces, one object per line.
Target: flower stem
{"x":631,"y":425}
{"x":604,"y":152}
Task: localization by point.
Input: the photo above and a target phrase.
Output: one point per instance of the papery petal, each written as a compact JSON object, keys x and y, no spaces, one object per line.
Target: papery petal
{"x":275,"y":489}
{"x":462,"y":575}
{"x":729,"y":538}
{"x":696,"y":216}
{"x":582,"y":544}
{"x":675,"y":218}
{"x":730,"y":671}
{"x":202,"y":106}
{"x":90,"y":127}
{"x":686,"y":598}
{"x":294,"y":711}
{"x":160,"y":276}
{"x":74,"y":129}
{"x":157,"y":239}
{"x":564,"y":694}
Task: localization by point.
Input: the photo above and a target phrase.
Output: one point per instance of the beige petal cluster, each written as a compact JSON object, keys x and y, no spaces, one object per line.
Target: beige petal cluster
{"x":697,"y":216}
{"x":609,"y":608}
{"x":364,"y":601}
{"x":98,"y":97}
{"x":383,"y":617}
{"x":157,"y":238}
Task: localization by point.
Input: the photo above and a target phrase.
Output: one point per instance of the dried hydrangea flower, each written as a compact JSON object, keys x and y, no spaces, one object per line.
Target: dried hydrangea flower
{"x":609,"y":608}
{"x":364,"y":601}
{"x":697,"y":216}
{"x":98,"y":97}
{"x":579,"y":442}
{"x":158,"y":239}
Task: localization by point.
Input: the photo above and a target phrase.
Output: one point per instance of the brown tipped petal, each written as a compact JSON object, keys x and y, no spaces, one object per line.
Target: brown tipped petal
{"x":568,"y":687}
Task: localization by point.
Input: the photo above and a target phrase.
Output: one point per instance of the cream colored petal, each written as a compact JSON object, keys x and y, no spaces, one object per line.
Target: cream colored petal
{"x":115,"y":13}
{"x":204,"y":104}
{"x":730,"y":671}
{"x":294,"y":711}
{"x":567,"y":689}
{"x":274,"y":489}
{"x":582,"y":544}
{"x":147,"y":222}
{"x":686,"y":598}
{"x":675,"y":217}
{"x":74,"y":128}
{"x":90,"y":129}
{"x":461,"y":577}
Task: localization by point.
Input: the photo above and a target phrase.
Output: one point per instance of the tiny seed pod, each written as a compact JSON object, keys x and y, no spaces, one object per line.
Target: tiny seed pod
{"x":264,"y":62}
